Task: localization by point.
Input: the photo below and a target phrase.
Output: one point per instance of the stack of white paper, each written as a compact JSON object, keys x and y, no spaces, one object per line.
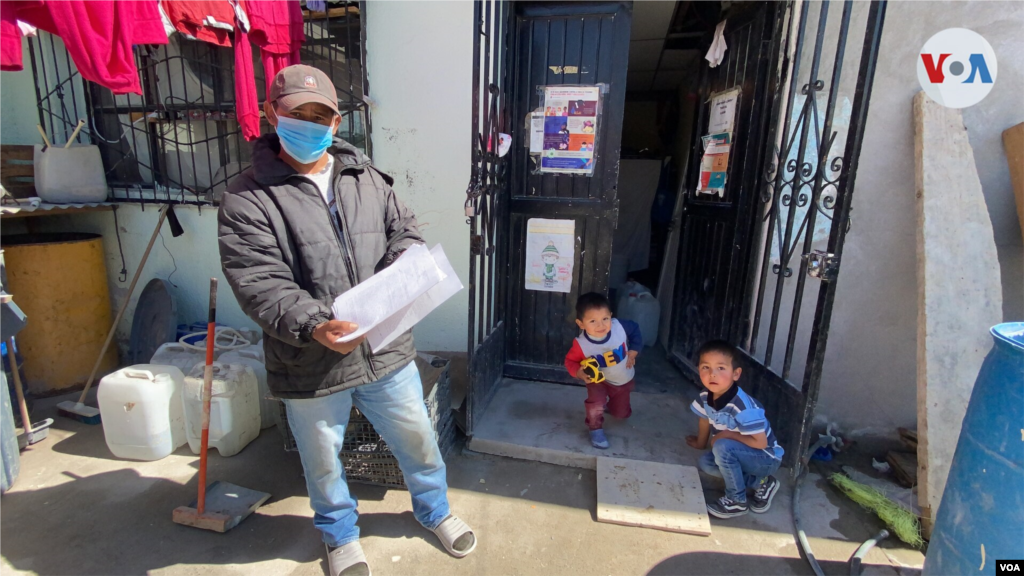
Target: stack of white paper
{"x":394,"y":300}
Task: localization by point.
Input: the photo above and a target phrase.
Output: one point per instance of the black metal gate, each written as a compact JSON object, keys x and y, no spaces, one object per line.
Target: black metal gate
{"x":715,"y":239}
{"x":747,"y":281}
{"x":487,"y":201}
{"x":557,"y":44}
{"x":517,"y":48}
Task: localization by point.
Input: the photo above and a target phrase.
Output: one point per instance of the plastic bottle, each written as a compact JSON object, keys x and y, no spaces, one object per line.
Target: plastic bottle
{"x":252,"y":356}
{"x":143,"y":416}
{"x":174,"y":354}
{"x":644,"y":309}
{"x":234,"y":408}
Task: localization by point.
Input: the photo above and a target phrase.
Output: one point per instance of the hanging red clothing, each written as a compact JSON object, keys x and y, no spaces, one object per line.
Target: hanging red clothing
{"x":211,"y":21}
{"x":277,"y":28}
{"x":215,"y":21}
{"x":98,"y":35}
{"x":247,"y":101}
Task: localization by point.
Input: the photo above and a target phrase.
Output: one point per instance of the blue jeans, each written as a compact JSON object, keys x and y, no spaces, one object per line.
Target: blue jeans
{"x":739,"y":465}
{"x":394,"y":405}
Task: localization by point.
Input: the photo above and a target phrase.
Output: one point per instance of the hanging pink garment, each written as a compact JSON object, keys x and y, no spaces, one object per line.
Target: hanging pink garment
{"x":10,"y":39}
{"x":247,"y":102}
{"x":277,"y":28}
{"x":98,"y":35}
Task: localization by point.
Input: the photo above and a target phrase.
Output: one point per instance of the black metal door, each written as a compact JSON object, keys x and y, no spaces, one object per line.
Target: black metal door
{"x":716,"y":230}
{"x":563,"y":43}
{"x":766,"y":280}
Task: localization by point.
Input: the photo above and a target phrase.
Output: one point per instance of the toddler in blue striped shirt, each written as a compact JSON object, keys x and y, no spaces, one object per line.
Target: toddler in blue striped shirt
{"x":744,"y":451}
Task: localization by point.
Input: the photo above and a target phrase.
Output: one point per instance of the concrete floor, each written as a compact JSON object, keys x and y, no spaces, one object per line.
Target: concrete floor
{"x":75,"y":509}
{"x":544,"y":422}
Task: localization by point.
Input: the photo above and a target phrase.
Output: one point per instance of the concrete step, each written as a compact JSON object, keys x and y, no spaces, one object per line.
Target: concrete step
{"x":544,"y":422}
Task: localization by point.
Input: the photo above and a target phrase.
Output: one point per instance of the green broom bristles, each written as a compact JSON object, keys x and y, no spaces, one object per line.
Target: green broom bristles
{"x":903,"y":522}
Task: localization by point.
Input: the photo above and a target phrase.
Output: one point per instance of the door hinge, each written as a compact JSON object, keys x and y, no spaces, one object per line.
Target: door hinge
{"x":822,"y":265}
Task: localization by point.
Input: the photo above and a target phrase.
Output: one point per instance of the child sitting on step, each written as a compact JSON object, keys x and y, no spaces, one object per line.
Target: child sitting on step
{"x":744,"y":451}
{"x":603,"y":356}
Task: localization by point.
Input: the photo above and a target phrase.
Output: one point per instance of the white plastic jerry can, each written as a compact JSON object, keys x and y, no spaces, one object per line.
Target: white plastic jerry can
{"x":143,"y":415}
{"x":252,"y":356}
{"x":234,"y":408}
{"x":174,"y":354}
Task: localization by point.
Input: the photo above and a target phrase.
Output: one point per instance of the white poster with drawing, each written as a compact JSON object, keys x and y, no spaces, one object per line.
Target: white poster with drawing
{"x":550,"y":254}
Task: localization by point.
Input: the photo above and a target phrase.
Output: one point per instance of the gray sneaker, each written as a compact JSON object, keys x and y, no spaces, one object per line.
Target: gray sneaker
{"x":764,"y":494}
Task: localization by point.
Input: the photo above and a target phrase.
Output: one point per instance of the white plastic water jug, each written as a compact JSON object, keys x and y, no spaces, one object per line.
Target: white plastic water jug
{"x":174,"y":354}
{"x":629,"y":288}
{"x":234,"y":408}
{"x":645,"y":310}
{"x":143,"y":415}
{"x":70,"y":175}
{"x":252,"y":356}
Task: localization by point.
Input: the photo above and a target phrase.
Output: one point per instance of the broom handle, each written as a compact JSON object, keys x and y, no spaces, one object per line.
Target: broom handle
{"x":124,"y":305}
{"x":78,"y":128}
{"x":211,"y":334}
{"x":16,"y":375}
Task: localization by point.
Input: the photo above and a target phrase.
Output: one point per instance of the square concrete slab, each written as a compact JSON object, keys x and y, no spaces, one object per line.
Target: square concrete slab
{"x":544,"y":422}
{"x":651,"y":495}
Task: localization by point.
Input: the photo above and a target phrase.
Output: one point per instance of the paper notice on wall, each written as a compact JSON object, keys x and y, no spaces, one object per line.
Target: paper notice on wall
{"x":550,"y":254}
{"x":537,"y":132}
{"x":570,"y":129}
{"x":388,"y":292}
{"x":723,"y":111}
{"x":400,"y":322}
{"x":714,"y":165}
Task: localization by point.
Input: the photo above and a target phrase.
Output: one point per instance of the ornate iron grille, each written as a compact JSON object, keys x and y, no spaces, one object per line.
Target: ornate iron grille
{"x":179,"y":142}
{"x":486,"y":195}
{"x":487,"y":201}
{"x":808,"y":172}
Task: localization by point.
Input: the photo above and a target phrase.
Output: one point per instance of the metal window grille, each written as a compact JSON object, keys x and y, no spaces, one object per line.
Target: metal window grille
{"x":179,"y":142}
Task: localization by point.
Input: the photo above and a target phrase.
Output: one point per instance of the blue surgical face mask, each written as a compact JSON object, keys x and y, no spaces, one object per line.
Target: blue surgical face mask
{"x":304,"y":141}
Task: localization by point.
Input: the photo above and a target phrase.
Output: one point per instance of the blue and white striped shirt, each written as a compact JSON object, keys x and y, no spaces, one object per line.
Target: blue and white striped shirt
{"x":736,"y":411}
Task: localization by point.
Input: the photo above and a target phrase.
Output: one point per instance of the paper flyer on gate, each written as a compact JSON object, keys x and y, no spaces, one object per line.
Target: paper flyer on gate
{"x":570,"y":129}
{"x":550,"y":254}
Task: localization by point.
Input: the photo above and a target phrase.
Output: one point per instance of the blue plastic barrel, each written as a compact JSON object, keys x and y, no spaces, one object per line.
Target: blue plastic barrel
{"x":981,"y":517}
{"x":10,"y":458}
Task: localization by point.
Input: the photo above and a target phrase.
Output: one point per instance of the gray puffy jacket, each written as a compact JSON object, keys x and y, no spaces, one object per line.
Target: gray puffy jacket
{"x":287,"y":259}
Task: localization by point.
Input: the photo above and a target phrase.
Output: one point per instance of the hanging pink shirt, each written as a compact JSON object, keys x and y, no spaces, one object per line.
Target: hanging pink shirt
{"x":277,"y":28}
{"x":98,"y":35}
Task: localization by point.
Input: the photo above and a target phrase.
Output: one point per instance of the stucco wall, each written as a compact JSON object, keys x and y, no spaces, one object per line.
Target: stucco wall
{"x":18,"y":115}
{"x":870,"y":368}
{"x":419,"y":58}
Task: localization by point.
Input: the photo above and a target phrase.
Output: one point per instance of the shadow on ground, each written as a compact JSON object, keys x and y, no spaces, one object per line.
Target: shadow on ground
{"x":719,"y":563}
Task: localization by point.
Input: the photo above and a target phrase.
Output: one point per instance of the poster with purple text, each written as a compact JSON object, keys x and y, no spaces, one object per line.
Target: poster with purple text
{"x":570,"y":129}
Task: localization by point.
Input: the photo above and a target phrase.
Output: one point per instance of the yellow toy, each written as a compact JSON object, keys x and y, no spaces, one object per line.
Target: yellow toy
{"x":592,"y":369}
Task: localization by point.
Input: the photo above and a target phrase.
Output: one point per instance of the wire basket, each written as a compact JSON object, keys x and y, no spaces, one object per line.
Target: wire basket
{"x":365,"y":455}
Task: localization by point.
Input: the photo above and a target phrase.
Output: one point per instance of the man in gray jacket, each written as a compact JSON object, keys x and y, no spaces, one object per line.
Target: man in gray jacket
{"x":311,"y":219}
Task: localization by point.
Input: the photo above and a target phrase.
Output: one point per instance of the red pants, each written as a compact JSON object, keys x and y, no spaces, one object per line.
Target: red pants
{"x":616,"y":398}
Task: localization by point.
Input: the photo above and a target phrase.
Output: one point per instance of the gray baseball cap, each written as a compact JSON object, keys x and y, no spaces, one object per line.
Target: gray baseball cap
{"x":300,"y":84}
